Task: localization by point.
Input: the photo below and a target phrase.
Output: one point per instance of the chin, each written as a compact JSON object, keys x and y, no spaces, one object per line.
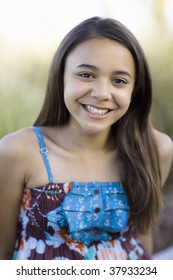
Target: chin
{"x":94,"y":130}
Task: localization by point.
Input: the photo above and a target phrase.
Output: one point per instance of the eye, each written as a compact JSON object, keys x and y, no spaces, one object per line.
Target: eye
{"x":119,"y":81}
{"x":86,"y":75}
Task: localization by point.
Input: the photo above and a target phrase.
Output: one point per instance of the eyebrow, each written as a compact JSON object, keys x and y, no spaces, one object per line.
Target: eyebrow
{"x":122,"y":72}
{"x":118,"y":72}
{"x":87,"y":66}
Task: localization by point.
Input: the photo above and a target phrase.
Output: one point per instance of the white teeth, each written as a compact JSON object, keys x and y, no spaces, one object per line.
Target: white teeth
{"x":96,"y":111}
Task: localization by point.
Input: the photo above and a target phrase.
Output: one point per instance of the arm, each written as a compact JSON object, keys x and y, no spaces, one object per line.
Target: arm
{"x":146,"y":241}
{"x":12,"y":170}
{"x":165,"y":148}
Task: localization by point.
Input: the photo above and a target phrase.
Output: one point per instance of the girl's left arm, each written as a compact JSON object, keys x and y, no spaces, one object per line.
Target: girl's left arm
{"x":165,"y":148}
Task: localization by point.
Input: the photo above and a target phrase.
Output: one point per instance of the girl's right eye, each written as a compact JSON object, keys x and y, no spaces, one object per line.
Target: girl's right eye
{"x":86,"y":75}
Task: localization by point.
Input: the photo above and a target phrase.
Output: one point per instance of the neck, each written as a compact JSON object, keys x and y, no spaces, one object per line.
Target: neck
{"x":78,"y":139}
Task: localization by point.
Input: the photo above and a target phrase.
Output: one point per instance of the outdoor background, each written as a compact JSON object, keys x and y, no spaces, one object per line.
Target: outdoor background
{"x":30,"y":31}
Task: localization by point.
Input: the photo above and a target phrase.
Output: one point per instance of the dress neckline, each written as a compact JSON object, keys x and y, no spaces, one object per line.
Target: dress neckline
{"x":77,"y":183}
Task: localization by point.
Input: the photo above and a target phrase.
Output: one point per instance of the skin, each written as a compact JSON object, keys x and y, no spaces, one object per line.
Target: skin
{"x":96,"y":79}
{"x":98,"y":73}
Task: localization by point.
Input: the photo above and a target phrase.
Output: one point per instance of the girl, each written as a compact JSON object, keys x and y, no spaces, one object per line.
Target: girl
{"x":85,"y":181}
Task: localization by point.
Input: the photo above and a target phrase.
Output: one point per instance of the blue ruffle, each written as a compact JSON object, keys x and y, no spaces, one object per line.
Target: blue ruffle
{"x":94,"y":210}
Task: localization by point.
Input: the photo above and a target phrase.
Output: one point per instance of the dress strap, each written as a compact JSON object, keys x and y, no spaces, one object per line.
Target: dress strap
{"x":44,"y":152}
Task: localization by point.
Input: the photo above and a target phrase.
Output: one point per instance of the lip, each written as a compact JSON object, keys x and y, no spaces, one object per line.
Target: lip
{"x":98,"y":107}
{"x":95,"y":116}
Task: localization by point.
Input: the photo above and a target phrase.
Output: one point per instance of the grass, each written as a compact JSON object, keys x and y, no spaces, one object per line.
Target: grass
{"x":22,"y":92}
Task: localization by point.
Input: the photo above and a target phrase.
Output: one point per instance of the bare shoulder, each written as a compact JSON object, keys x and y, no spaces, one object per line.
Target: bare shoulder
{"x":16,"y":143}
{"x":165,"y":144}
{"x":14,"y":152}
{"x":165,"y":148}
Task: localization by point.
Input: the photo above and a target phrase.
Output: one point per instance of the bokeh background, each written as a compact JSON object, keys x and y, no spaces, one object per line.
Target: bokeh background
{"x":30,"y":31}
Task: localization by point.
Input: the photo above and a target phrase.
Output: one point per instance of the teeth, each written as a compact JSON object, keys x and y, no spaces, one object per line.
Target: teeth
{"x":96,"y":111}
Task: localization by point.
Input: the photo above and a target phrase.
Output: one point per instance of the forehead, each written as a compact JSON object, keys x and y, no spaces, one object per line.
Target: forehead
{"x":101,"y":52}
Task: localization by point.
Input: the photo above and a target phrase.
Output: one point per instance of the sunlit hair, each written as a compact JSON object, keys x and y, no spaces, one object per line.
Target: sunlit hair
{"x":132,"y":134}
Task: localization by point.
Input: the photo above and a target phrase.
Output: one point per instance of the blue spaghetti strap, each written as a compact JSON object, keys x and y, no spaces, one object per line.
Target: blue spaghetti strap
{"x":44,"y":152}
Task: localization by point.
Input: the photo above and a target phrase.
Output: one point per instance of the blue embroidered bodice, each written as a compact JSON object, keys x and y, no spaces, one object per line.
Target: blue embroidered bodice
{"x":94,"y":210}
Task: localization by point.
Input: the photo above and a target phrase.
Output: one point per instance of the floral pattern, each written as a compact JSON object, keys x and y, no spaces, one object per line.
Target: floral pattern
{"x":75,"y":221}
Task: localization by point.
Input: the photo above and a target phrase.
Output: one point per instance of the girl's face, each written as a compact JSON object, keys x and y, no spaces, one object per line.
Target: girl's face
{"x":99,"y":79}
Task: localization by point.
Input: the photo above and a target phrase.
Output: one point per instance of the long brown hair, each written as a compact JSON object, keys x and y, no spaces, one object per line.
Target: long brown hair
{"x":132,"y":134}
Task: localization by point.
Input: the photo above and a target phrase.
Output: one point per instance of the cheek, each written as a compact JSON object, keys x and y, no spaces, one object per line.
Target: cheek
{"x":75,"y":91}
{"x":123,"y":100}
{"x":69,"y":91}
{"x":72,"y":94}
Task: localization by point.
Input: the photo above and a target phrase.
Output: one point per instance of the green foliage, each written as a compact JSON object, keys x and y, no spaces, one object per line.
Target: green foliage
{"x":22,"y":91}
{"x":161,"y":66}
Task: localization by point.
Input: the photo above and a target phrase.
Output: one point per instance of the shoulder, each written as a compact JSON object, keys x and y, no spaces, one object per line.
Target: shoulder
{"x":16,"y":145}
{"x":165,"y":145}
{"x":165,"y":149}
{"x":15,"y":150}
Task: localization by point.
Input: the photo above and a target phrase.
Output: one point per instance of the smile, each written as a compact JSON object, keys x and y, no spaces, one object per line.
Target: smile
{"x":96,"y":111}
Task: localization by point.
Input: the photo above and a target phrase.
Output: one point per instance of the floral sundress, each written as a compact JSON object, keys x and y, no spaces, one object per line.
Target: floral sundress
{"x":75,"y":221}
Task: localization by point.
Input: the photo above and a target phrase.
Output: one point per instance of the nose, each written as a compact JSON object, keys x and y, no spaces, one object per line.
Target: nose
{"x":101,"y":90}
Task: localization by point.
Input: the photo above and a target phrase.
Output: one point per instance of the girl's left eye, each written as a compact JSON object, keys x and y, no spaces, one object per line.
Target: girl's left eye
{"x":119,"y":81}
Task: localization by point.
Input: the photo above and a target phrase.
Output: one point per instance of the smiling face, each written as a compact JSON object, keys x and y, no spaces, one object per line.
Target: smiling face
{"x":99,"y":79}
